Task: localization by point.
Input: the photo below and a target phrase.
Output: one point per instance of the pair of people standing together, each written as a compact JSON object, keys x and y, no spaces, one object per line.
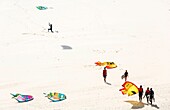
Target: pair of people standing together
{"x":105,"y":74}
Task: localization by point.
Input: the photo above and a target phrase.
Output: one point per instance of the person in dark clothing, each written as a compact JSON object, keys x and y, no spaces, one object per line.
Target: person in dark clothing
{"x":104,"y":74}
{"x":151,"y":95}
{"x":147,"y":93}
{"x":50,"y":29}
{"x":126,"y":75}
{"x":140,"y":93}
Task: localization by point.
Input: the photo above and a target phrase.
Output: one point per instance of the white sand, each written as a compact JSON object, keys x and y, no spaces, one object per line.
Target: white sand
{"x":134,"y":34}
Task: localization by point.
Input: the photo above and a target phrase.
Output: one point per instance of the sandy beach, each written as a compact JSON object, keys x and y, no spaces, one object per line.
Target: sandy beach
{"x":133,"y":34}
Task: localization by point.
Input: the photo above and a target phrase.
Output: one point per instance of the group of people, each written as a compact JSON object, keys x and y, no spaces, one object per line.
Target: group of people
{"x":149,"y":93}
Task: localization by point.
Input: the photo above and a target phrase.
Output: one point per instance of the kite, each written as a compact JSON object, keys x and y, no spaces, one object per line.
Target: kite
{"x":41,"y":7}
{"x":109,"y":65}
{"x":22,"y":98}
{"x":55,"y":97}
{"x":66,"y":47}
{"x":129,"y":88}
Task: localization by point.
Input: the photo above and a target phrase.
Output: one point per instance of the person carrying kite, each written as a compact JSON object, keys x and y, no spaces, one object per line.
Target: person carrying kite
{"x":50,"y":29}
{"x":126,"y":75}
{"x":147,"y":93}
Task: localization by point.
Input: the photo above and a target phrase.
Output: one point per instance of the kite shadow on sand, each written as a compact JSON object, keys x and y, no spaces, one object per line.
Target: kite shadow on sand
{"x":139,"y":105}
{"x":136,"y":104}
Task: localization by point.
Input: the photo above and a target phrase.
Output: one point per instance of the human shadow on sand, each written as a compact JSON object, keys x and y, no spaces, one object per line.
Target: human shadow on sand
{"x":66,"y":47}
{"x":108,"y":83}
{"x":154,"y":105}
{"x":136,"y":104}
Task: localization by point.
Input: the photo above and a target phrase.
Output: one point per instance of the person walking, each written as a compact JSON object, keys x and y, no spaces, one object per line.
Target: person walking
{"x":151,"y":95}
{"x":126,"y":75}
{"x":147,"y":93}
{"x":104,"y":74}
{"x":140,"y":93}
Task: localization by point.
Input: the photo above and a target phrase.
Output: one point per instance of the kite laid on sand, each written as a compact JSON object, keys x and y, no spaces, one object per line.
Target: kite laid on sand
{"x":22,"y":98}
{"x":55,"y":97}
{"x":129,"y":88}
{"x":108,"y":65}
{"x":41,"y":7}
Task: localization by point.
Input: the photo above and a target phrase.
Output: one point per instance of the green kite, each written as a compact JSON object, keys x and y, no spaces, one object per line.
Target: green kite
{"x":41,"y":7}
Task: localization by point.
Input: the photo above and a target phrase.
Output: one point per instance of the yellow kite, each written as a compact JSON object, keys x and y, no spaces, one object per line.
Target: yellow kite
{"x":129,"y":88}
{"x":109,"y":65}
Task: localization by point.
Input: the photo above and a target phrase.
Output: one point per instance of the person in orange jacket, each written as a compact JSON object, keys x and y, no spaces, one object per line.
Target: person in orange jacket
{"x":140,"y":93}
{"x":147,"y":93}
{"x":104,"y":74}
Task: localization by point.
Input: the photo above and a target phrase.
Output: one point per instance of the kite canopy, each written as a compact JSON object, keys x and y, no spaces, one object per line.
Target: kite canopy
{"x":129,"y":88}
{"x":41,"y":7}
{"x":22,"y":98}
{"x":55,"y":97}
{"x":109,"y":65}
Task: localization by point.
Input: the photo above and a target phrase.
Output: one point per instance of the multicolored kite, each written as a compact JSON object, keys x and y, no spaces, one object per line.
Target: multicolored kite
{"x":22,"y":98}
{"x":109,"y":65}
{"x":129,"y":88}
{"x":55,"y":97}
{"x":41,"y":7}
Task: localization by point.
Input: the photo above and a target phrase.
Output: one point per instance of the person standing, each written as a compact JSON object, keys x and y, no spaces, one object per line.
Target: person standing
{"x":140,"y":93}
{"x":104,"y":74}
{"x":51,"y":28}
